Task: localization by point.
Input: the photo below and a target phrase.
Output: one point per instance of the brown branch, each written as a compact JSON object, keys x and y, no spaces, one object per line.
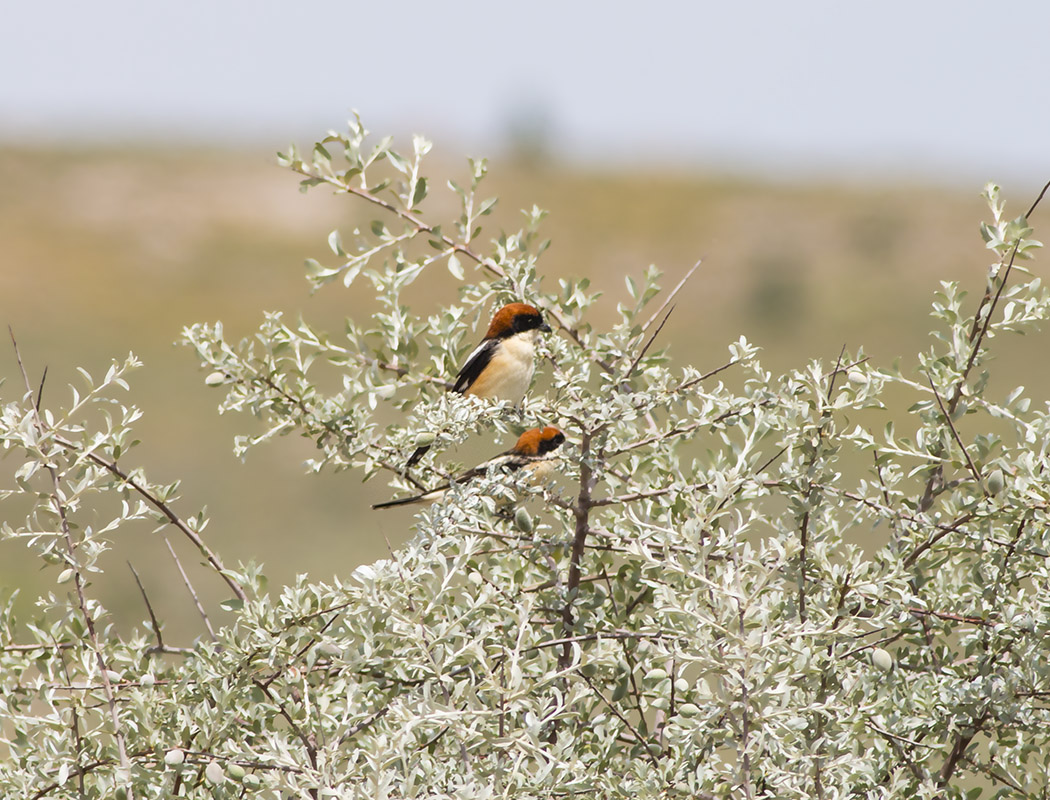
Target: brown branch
{"x":802,"y":556}
{"x":193,"y":593}
{"x":637,"y":601}
{"x":353,"y":730}
{"x":771,"y":459}
{"x":401,"y":372}
{"x":40,"y":390}
{"x":995,"y":775}
{"x":983,"y":329}
{"x":630,"y":497}
{"x":1038,"y":200}
{"x":648,"y":344}
{"x":80,"y":772}
{"x":745,"y":699}
{"x":955,"y":435}
{"x":149,"y":608}
{"x":896,"y":740}
{"x":688,"y":428}
{"x":835,"y":374}
{"x":579,"y":542}
{"x":962,"y":741}
{"x":307,"y":741}
{"x":941,"y":533}
{"x":690,"y":384}
{"x":942,"y":529}
{"x":204,"y":756}
{"x":325,"y":428}
{"x":947,"y":615}
{"x":667,"y":301}
{"x":548,"y":584}
{"x":626,"y":722}
{"x":94,"y":687}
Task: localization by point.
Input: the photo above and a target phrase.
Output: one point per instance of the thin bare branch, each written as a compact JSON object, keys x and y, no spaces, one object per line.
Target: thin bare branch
{"x":690,"y":384}
{"x":670,"y":297}
{"x":40,"y":389}
{"x":1038,"y":200}
{"x":897,"y":737}
{"x":149,"y":607}
{"x":648,"y":344}
{"x":955,"y":435}
{"x":943,"y":531}
{"x":835,"y":373}
{"x":803,"y":561}
{"x":192,"y":591}
{"x":326,"y":428}
{"x":401,"y":372}
{"x":626,"y":722}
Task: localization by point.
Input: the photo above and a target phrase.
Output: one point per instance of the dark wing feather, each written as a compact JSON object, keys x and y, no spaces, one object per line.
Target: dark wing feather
{"x":475,"y":365}
{"x":508,"y":461}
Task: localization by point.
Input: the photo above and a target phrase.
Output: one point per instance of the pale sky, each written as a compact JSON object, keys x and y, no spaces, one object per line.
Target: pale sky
{"x":950,"y":90}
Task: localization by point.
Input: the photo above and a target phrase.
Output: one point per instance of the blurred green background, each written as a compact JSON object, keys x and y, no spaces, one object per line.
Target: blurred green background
{"x":107,"y":251}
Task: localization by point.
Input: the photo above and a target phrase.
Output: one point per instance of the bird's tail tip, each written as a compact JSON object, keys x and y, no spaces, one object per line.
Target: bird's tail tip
{"x":416,"y":456}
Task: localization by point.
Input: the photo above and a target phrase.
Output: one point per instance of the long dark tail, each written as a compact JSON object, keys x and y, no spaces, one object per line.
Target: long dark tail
{"x":402,"y":502}
{"x":426,"y":497}
{"x":418,"y":454}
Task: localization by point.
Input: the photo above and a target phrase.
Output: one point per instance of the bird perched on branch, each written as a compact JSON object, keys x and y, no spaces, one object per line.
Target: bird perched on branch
{"x":501,"y":367}
{"x":534,"y":451}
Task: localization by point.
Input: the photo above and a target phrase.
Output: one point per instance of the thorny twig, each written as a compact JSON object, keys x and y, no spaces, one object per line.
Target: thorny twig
{"x":192,"y":591}
{"x":160,"y":646}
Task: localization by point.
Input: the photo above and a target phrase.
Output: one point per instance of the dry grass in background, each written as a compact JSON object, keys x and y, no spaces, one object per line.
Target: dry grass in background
{"x":106,"y":252}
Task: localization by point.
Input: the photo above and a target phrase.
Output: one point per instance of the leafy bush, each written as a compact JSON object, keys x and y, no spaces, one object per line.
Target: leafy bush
{"x":685,"y":612}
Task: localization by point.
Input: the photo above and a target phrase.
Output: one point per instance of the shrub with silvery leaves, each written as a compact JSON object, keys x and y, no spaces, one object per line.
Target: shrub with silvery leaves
{"x":685,"y":612}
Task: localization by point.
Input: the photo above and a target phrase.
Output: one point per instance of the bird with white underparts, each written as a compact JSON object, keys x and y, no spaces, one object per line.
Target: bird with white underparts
{"x":501,"y":367}
{"x":534,"y":452}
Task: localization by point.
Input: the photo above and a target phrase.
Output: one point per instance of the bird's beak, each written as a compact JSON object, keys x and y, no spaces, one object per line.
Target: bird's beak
{"x":545,"y":328}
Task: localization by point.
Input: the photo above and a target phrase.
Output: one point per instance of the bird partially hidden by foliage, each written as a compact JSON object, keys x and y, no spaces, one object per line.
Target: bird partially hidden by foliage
{"x":501,"y":366}
{"x":534,"y":451}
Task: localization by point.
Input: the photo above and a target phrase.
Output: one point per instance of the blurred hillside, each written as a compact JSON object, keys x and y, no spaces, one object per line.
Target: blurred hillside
{"x":105,"y":252}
